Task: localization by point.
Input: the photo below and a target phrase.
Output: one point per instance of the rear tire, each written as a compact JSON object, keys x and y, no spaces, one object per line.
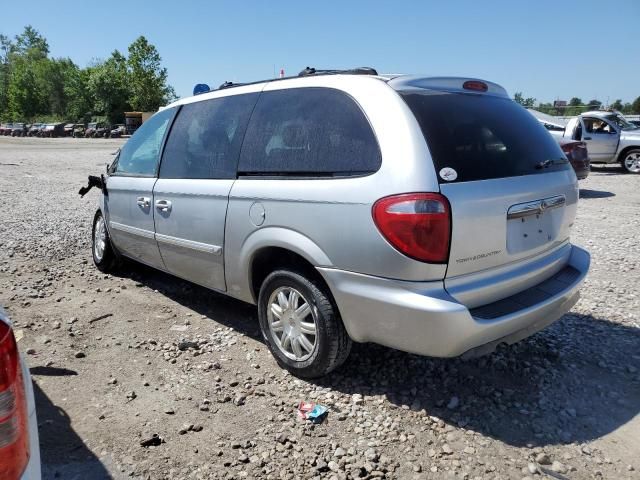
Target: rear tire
{"x":631,"y":161}
{"x":290,"y":308}
{"x":102,"y":251}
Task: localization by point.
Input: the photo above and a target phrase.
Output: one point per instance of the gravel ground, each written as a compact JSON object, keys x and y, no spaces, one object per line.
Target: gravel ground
{"x":142,"y":358}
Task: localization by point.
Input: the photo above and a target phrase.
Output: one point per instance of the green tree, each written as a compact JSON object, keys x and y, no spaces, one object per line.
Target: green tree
{"x":148,"y":79}
{"x":109,"y":85}
{"x":575,"y":102}
{"x":6,"y":46}
{"x":59,"y":73}
{"x":546,"y":108}
{"x":28,"y":69}
{"x":525,"y":102}
{"x":635,"y":106}
{"x":80,"y":101}
{"x":626,"y":108}
{"x":617,"y":105}
{"x":31,"y":44}
{"x":26,"y":98}
{"x":594,"y":104}
{"x":32,"y":84}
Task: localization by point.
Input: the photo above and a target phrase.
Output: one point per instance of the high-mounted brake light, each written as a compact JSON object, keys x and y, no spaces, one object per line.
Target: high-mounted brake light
{"x":14,"y":437}
{"x":475,"y":85}
{"x":416,"y":224}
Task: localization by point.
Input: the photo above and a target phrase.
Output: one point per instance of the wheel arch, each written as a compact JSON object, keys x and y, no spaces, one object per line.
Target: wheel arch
{"x":274,"y":247}
{"x":626,"y":150}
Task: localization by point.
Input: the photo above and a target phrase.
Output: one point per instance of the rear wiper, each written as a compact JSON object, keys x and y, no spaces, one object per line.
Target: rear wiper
{"x":549,"y":162}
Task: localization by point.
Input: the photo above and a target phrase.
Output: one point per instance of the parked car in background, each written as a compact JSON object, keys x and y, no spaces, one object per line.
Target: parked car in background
{"x":103,"y":130}
{"x":19,"y":447}
{"x":610,"y":138}
{"x":118,"y":130}
{"x":430,"y":215}
{"x":79,"y":130}
{"x":97,"y":130}
{"x":553,"y":128}
{"x":90,"y":130}
{"x":554,"y":125}
{"x":5,"y":129}
{"x":578,"y":155}
{"x":576,"y":151}
{"x":68,"y":129}
{"x":18,"y":130}
{"x":35,"y":129}
{"x":53,"y":130}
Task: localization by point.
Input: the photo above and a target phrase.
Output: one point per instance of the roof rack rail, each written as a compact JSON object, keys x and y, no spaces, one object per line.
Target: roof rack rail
{"x":229,"y":85}
{"x":204,"y":88}
{"x":352,"y":71}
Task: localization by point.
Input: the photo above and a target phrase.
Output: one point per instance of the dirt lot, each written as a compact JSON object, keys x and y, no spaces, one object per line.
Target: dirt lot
{"x":117,"y":359}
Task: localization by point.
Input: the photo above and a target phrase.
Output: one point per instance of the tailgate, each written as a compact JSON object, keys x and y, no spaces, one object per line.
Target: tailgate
{"x":512,"y":191}
{"x":502,"y":221}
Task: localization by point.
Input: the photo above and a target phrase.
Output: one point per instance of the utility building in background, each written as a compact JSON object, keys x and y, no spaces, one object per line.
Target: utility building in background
{"x":133,"y":120}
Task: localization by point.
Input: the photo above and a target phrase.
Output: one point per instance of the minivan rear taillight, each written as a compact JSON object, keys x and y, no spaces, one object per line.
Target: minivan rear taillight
{"x":14,"y":437}
{"x":416,"y":224}
{"x":567,"y":148}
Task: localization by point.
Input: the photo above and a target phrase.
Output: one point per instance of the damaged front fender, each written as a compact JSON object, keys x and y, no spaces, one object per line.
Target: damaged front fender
{"x":93,"y":181}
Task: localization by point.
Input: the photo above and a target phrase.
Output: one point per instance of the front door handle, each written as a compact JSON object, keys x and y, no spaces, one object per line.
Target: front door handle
{"x":143,"y":202}
{"x":587,"y":138}
{"x":163,"y":205}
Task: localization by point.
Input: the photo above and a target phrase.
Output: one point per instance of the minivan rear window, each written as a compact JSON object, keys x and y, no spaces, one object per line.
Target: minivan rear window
{"x":483,"y":137}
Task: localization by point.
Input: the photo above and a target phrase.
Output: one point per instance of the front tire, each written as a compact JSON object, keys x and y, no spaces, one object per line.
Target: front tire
{"x":631,"y":161}
{"x":102,"y":251}
{"x":301,"y":325}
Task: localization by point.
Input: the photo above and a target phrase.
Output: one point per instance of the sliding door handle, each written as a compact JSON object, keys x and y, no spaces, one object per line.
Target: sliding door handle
{"x":163,"y":205}
{"x":143,"y":202}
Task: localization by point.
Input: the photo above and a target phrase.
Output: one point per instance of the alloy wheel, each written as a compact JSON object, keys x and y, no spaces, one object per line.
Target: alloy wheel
{"x":99,"y":239}
{"x":632,"y":162}
{"x":292,"y":323}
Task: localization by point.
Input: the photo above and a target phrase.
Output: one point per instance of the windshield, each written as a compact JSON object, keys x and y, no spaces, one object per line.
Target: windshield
{"x":621,"y":122}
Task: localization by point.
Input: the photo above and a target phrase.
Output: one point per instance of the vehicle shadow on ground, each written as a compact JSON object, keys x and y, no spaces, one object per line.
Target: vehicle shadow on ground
{"x":562,"y":385}
{"x":221,"y":308}
{"x":52,"y":371}
{"x":63,"y":453}
{"x":587,"y":193}
{"x":604,"y":169}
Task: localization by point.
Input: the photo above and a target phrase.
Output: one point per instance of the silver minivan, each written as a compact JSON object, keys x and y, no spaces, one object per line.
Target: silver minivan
{"x":431,"y":215}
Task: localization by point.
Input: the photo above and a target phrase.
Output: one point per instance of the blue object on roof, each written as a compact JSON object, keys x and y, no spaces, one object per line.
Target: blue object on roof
{"x":201,"y":88}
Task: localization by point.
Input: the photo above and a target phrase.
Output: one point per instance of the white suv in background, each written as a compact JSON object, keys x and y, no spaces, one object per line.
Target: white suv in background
{"x":19,"y":447}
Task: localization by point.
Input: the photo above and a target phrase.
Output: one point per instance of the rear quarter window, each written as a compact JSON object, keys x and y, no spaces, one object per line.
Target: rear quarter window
{"x":483,"y":137}
{"x":308,"y":132}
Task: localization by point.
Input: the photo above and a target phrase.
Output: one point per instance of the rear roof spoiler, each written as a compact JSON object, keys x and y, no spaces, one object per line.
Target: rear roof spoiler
{"x":446,"y":84}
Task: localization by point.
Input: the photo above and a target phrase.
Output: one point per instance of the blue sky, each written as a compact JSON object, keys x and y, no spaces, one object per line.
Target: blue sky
{"x":545,"y":49}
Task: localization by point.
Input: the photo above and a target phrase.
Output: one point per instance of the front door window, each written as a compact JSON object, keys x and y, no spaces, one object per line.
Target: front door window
{"x":140,"y":155}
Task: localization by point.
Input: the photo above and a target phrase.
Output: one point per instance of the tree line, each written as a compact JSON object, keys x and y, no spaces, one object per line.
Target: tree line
{"x":35,"y":87}
{"x":576,"y":106}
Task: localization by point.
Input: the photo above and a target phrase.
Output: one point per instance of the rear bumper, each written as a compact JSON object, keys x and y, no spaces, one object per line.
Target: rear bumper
{"x":422,"y":318}
{"x":32,"y":471}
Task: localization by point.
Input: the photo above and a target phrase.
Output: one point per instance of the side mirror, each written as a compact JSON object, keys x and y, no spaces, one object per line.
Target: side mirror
{"x":111,"y":166}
